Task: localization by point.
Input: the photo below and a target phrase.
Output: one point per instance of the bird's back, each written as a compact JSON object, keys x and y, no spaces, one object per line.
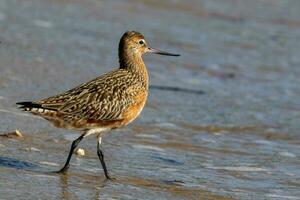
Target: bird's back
{"x":111,"y":100}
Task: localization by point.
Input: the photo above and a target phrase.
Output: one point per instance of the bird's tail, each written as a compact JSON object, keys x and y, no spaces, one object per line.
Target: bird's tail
{"x":29,"y":106}
{"x":35,"y":108}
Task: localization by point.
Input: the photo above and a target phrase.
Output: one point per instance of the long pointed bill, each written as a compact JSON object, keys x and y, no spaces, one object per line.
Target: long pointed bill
{"x":152,"y":50}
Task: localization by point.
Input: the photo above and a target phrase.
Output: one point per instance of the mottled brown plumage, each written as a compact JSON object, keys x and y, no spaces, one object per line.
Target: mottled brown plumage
{"x":107,"y":102}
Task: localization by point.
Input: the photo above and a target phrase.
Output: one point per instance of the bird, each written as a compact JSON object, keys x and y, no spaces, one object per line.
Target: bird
{"x":110,"y":101}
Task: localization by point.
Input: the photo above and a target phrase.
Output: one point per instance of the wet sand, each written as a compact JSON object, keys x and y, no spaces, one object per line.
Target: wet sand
{"x":231,"y":130}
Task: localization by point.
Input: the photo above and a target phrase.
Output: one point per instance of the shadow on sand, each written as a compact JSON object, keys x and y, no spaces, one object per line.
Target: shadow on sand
{"x":16,"y":164}
{"x":176,"y":89}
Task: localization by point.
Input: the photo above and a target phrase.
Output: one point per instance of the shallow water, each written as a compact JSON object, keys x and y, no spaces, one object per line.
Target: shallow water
{"x":233,"y":133}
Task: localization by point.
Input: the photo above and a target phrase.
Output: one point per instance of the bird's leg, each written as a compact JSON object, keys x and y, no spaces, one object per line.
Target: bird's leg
{"x":73,"y":147}
{"x":101,"y":157}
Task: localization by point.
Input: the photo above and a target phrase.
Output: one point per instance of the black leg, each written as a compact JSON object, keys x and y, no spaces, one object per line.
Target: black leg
{"x":101,"y":157}
{"x":73,"y":147}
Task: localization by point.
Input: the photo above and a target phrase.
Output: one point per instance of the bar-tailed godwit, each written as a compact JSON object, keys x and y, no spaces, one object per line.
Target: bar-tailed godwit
{"x":110,"y":101}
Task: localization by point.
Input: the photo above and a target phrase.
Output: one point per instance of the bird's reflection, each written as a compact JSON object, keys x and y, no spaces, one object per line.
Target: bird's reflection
{"x":65,"y":193}
{"x":69,"y":184}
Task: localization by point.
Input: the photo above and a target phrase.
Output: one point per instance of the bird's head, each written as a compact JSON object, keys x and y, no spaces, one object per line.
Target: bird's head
{"x":133,"y":42}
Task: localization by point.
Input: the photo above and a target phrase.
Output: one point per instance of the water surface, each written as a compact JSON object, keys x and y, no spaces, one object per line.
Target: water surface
{"x":233,"y":133}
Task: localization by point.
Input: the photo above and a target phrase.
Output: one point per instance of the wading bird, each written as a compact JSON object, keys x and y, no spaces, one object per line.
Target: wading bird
{"x":110,"y":101}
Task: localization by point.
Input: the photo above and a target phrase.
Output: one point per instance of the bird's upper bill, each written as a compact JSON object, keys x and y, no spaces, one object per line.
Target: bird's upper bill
{"x":135,"y":41}
{"x":157,"y":51}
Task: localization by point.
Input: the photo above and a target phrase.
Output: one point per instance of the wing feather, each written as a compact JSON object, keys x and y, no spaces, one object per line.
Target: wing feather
{"x":104,"y":98}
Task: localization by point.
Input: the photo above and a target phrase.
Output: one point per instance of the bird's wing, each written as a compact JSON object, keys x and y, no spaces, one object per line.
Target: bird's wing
{"x":104,"y":98}
{"x":58,"y":101}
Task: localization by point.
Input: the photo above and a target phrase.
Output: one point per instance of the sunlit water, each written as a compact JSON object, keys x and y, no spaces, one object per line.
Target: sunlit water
{"x":233,"y":135}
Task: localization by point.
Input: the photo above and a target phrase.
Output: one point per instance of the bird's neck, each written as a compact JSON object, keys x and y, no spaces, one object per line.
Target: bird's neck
{"x":134,"y":63}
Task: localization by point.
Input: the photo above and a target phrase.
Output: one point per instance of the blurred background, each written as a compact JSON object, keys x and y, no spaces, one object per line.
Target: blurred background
{"x":230,"y":132}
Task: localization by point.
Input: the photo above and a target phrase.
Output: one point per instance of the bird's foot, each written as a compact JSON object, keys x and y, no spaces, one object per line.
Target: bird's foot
{"x":108,"y":177}
{"x":62,"y":171}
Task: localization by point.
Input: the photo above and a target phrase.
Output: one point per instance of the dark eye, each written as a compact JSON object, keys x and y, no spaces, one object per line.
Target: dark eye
{"x":141,"y":41}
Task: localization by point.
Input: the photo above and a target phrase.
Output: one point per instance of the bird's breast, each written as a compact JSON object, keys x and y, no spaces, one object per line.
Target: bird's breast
{"x":134,"y":110}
